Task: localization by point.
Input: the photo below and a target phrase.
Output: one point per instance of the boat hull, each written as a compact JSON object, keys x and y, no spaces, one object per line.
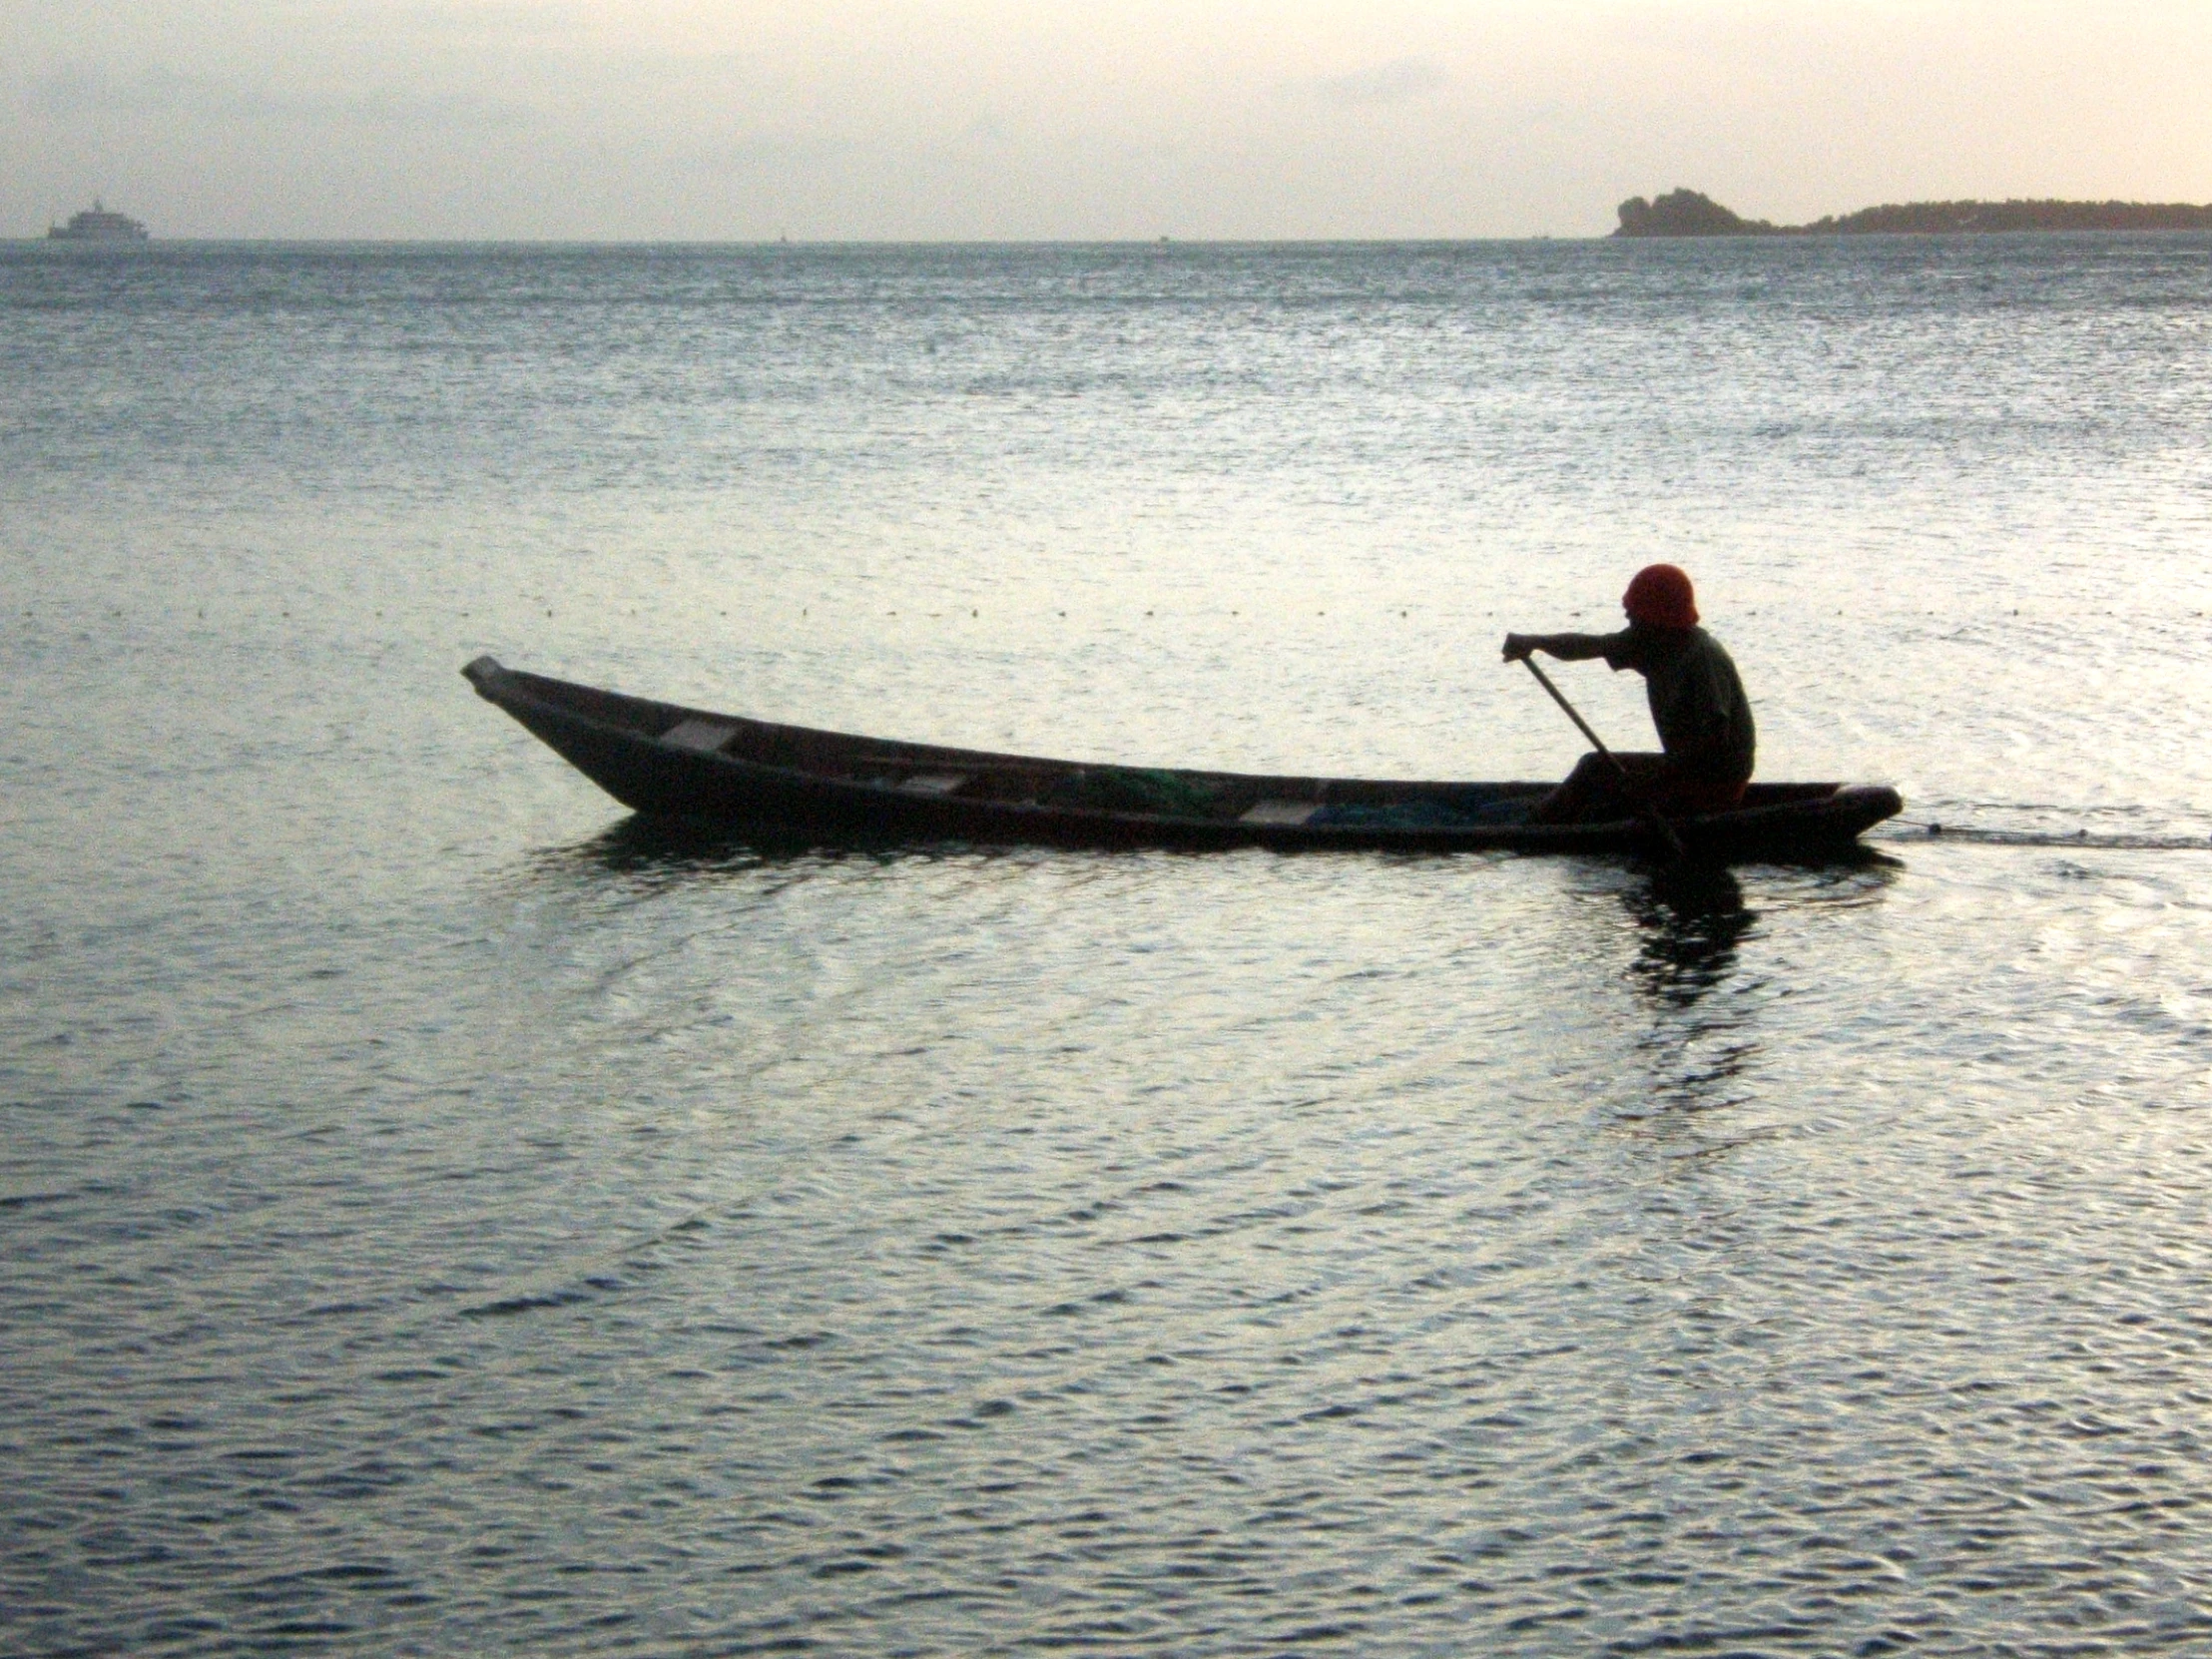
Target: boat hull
{"x":795,"y":783}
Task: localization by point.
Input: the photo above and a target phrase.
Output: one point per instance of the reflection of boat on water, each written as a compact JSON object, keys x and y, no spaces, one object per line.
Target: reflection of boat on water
{"x":96,"y":224}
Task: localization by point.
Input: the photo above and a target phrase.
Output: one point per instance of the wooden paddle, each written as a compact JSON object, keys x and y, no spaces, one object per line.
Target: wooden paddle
{"x":1644,"y":808}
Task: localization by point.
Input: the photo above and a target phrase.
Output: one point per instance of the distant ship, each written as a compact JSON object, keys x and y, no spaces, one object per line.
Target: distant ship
{"x":96,"y":224}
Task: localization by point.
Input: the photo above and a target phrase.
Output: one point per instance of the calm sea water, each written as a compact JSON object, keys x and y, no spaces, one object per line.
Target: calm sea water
{"x":442,"y":1218}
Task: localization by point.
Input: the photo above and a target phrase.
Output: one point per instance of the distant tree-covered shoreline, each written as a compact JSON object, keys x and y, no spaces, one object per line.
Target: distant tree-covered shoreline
{"x":1689,"y":213}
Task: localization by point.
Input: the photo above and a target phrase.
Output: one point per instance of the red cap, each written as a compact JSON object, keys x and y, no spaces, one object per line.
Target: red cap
{"x":1660,"y":597}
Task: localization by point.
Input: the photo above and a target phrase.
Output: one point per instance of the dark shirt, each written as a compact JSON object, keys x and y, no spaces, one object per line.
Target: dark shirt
{"x":1697,"y":701}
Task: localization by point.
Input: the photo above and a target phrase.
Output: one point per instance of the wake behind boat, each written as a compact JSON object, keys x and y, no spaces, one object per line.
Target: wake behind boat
{"x":666,"y":760}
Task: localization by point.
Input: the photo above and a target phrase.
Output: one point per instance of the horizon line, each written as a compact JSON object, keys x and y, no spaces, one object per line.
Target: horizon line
{"x":63,"y":244}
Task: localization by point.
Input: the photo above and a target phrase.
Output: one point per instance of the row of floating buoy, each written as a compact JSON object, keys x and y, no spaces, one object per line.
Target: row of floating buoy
{"x":2054,"y":837}
{"x":936,"y":616}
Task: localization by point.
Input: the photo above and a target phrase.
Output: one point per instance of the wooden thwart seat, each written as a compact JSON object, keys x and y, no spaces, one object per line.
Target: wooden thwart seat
{"x":704,"y":736}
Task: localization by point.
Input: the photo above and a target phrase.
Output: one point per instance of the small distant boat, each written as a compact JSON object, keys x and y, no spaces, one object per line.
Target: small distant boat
{"x":793,"y":783}
{"x":96,"y":224}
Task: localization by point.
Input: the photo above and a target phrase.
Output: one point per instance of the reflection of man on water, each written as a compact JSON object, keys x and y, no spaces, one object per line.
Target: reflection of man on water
{"x":1697,"y":703}
{"x":1692,"y":919}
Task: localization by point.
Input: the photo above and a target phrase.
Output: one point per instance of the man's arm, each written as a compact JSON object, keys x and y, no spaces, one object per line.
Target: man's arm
{"x":1568,"y":648}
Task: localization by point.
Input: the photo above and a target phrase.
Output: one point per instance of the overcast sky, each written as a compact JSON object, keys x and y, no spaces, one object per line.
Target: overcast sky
{"x":986,"y":119}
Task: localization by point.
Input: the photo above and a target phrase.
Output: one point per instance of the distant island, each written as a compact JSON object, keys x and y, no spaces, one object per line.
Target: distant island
{"x":1689,"y":213}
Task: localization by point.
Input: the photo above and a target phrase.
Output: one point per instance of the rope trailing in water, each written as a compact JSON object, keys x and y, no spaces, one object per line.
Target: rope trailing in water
{"x":1935,"y":828}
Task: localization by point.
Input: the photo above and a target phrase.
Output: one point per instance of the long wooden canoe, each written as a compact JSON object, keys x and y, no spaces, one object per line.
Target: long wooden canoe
{"x":792,"y":782}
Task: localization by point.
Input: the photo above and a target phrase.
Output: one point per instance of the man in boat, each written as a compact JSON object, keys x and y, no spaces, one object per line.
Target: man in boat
{"x":1697,"y":703}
